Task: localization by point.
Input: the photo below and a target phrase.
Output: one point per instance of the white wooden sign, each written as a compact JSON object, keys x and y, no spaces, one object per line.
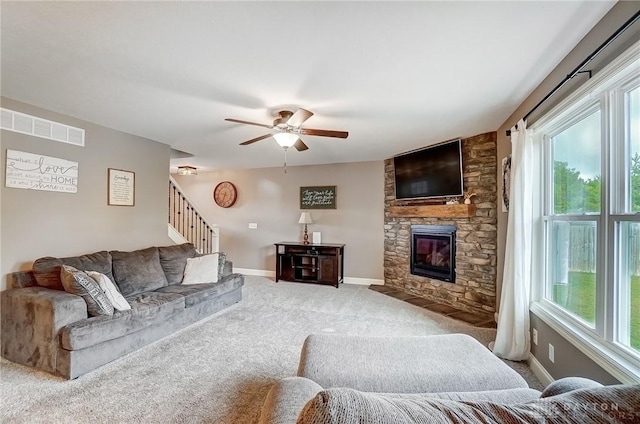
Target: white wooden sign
{"x":37,"y":172}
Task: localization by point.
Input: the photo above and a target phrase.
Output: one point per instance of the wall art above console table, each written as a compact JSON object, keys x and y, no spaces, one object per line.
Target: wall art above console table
{"x":318,"y":197}
{"x":310,"y":263}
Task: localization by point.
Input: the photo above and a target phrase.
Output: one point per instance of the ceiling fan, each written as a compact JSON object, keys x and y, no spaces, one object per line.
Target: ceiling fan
{"x":288,"y":129}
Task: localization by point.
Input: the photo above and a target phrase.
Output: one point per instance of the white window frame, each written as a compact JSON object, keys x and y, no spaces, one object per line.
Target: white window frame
{"x":597,"y":341}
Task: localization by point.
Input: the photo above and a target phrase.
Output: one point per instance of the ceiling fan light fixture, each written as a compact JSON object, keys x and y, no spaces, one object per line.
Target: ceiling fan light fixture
{"x":187,"y":170}
{"x":285,"y":139}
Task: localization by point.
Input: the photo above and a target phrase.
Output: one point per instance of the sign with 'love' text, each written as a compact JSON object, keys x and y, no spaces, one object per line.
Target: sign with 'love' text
{"x":38,"y":172}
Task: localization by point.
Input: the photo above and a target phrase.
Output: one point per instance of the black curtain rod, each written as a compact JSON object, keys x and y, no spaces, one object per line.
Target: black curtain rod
{"x":584,"y":63}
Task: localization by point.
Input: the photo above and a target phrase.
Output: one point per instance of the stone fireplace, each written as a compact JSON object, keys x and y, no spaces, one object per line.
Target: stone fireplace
{"x":433,"y":252}
{"x":475,"y":242}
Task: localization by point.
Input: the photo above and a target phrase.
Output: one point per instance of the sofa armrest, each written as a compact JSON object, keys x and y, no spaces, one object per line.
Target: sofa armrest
{"x":286,"y":399}
{"x":31,"y":321}
{"x":21,"y":279}
{"x":568,"y":384}
{"x":227,"y":270}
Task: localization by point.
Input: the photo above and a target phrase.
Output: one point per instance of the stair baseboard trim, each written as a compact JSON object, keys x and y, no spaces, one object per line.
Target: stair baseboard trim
{"x":175,"y":236}
{"x":539,"y":371}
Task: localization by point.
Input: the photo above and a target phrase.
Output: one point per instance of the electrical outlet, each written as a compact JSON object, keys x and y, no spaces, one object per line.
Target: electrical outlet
{"x":551,"y":353}
{"x":535,"y":336}
{"x":253,"y":225}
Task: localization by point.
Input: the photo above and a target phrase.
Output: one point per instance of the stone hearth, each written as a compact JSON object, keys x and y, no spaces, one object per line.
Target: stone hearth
{"x":476,"y":236}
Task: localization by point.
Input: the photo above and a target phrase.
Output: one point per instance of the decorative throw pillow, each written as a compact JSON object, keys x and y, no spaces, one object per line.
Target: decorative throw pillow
{"x":203,"y":269}
{"x":78,"y":283}
{"x":110,"y":290}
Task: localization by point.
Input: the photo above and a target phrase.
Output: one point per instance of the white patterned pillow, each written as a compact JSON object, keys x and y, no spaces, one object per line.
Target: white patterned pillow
{"x":115,"y":297}
{"x":78,"y":283}
{"x":202,"y":269}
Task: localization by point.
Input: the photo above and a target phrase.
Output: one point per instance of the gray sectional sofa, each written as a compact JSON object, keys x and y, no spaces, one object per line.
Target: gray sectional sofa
{"x":344,"y":379}
{"x":45,"y":327}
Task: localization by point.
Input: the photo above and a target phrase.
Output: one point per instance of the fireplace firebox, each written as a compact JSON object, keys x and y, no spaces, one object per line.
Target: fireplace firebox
{"x":433,"y":251}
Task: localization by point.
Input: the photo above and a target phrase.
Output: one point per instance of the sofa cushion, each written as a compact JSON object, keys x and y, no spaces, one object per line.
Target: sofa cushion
{"x":47,"y":270}
{"x":405,"y":364}
{"x":146,"y":309}
{"x":78,"y":283}
{"x":173,"y":259}
{"x":613,"y":404}
{"x":138,"y":271}
{"x":197,"y":293}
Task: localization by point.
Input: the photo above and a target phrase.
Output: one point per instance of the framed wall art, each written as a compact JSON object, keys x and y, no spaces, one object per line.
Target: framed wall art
{"x":318,"y":197}
{"x":121,"y":187}
{"x":506,"y":182}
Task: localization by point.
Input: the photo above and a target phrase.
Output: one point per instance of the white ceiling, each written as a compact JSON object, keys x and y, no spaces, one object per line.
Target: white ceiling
{"x":396,"y":75}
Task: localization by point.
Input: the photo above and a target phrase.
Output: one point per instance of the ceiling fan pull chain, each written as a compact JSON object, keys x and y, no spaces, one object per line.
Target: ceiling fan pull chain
{"x":285,"y":160}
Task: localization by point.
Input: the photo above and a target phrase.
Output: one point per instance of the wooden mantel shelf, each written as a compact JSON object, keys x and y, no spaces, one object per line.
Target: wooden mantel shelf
{"x":434,"y":211}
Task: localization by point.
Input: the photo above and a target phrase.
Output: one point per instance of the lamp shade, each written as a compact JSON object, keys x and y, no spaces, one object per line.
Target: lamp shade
{"x":305,"y":218}
{"x":285,"y":139}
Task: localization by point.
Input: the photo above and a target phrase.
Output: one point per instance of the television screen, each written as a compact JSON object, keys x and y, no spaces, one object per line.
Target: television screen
{"x":435,"y":171}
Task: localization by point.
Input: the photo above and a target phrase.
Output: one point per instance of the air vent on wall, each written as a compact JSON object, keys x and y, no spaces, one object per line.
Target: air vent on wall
{"x":38,"y":127}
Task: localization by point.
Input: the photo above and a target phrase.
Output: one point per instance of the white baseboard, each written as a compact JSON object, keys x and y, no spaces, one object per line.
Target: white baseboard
{"x":272,"y":274}
{"x":257,"y":272}
{"x":539,"y":371}
{"x":364,"y":281}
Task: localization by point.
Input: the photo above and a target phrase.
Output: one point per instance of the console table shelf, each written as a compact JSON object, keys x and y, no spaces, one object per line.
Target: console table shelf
{"x":310,"y":263}
{"x":434,"y":211}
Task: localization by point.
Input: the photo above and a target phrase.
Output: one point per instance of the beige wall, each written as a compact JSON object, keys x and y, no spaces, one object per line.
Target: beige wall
{"x":270,"y":198}
{"x":616,"y":17}
{"x":42,"y":223}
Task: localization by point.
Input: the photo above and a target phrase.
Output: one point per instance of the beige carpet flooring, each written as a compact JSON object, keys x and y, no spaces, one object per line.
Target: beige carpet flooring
{"x":219,"y":370}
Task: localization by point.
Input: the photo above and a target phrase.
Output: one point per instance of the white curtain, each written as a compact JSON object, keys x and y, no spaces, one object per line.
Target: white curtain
{"x":512,"y":339}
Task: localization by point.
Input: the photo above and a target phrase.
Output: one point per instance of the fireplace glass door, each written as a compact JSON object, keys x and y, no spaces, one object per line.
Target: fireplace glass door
{"x":433,"y":251}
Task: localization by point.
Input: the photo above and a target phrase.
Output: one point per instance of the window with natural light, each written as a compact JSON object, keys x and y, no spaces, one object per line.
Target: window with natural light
{"x":589,"y":209}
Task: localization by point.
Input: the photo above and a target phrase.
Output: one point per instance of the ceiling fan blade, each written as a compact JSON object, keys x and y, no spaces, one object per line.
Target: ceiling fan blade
{"x":324,"y":133}
{"x":300,"y":146}
{"x":238,"y":121}
{"x":299,"y":117}
{"x":253,"y":140}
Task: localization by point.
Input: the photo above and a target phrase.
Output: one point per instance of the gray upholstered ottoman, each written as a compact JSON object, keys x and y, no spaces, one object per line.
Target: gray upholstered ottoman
{"x":443,"y":363}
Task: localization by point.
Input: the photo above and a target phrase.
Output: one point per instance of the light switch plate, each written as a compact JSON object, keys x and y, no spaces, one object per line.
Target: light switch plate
{"x":253,"y":225}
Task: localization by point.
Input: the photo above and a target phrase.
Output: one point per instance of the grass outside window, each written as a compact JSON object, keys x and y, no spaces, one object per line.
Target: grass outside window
{"x":578,"y":297}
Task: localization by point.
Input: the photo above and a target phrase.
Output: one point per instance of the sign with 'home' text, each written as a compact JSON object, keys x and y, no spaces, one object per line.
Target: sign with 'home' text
{"x":37,"y":172}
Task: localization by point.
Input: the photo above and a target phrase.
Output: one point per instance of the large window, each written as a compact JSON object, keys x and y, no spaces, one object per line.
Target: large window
{"x":589,"y":217}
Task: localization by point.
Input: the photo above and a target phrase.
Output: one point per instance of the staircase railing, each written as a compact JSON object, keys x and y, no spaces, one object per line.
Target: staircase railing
{"x":187,"y":221}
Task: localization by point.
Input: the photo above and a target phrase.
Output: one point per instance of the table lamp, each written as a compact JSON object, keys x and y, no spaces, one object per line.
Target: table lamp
{"x":305,"y":218}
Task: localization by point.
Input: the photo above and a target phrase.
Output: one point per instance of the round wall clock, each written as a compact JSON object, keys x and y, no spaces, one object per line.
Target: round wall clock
{"x":225,"y":194}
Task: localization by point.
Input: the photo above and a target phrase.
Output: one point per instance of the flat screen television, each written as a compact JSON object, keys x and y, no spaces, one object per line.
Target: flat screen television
{"x":434,"y":171}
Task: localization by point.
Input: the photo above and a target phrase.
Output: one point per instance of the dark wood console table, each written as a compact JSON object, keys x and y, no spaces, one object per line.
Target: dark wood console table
{"x":310,"y":263}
